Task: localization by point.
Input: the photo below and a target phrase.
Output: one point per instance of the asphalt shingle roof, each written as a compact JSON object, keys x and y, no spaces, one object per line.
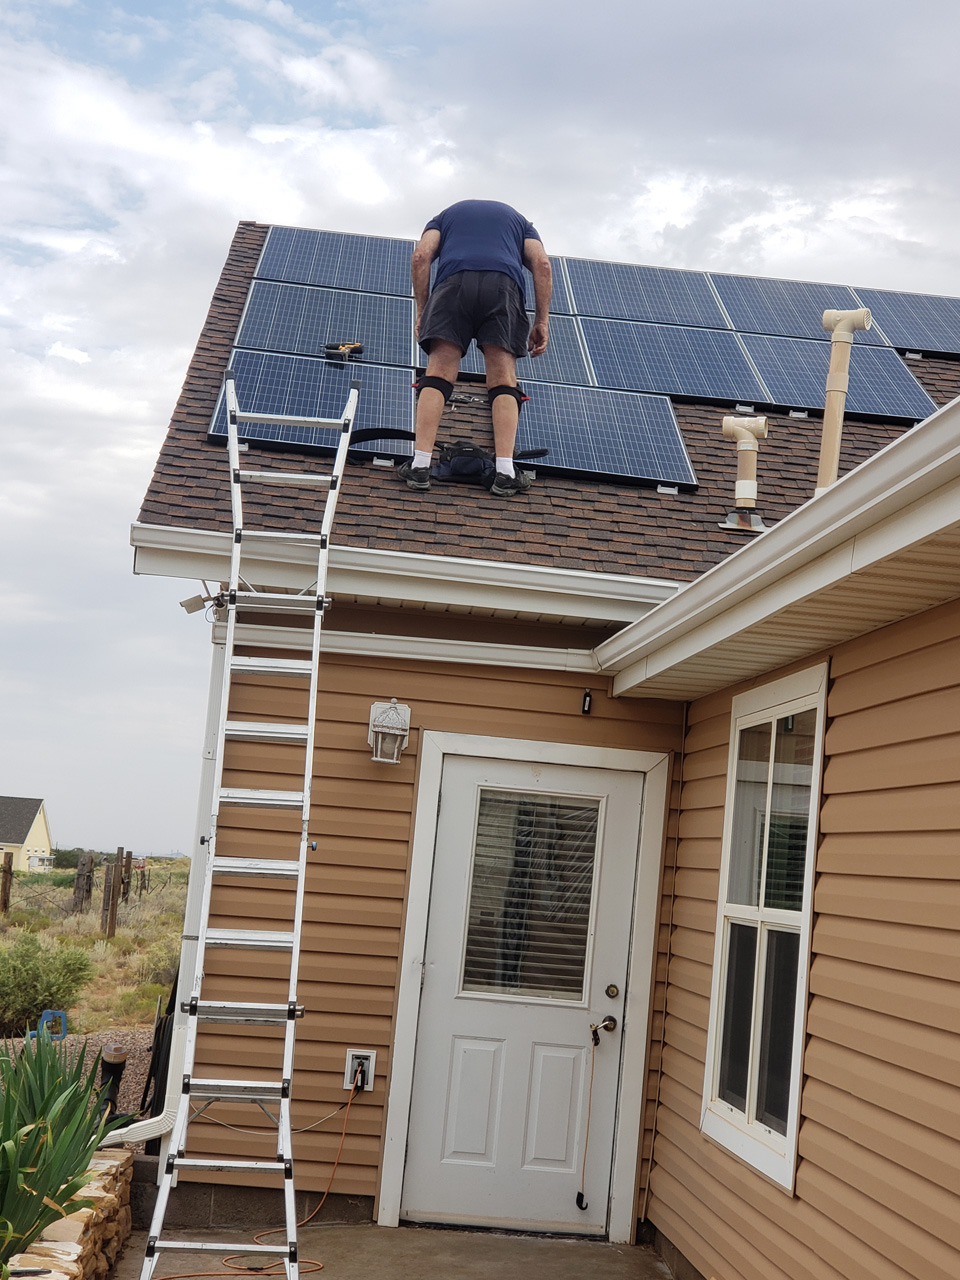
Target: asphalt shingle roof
{"x":17,"y":814}
{"x":562,"y":522}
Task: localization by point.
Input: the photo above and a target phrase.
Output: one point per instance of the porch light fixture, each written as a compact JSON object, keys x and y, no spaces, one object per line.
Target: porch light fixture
{"x":389,"y":730}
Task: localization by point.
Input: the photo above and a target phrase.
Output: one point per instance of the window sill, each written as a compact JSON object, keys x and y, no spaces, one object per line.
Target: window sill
{"x":764,"y":1151}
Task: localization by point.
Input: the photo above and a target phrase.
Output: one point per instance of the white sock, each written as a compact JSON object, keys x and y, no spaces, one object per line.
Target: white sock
{"x":421,"y":458}
{"x":505,"y":467}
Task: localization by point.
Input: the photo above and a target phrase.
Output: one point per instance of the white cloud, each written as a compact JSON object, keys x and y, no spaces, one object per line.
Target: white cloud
{"x":68,"y":353}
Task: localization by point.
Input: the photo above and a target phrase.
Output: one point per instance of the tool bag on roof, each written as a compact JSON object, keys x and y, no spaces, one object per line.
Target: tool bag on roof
{"x":465,"y":463}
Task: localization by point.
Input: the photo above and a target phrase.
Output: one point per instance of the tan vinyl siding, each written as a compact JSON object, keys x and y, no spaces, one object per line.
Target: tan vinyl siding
{"x":878,"y":1178}
{"x":361,"y":818}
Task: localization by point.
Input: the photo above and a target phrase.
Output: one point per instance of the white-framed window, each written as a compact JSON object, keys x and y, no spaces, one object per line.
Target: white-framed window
{"x":758,"y":1001}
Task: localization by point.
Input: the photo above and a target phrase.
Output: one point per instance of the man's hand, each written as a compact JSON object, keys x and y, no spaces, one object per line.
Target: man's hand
{"x":537,"y":343}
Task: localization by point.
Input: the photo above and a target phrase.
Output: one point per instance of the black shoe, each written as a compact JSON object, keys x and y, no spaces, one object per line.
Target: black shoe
{"x":416,"y":477}
{"x":505,"y":486}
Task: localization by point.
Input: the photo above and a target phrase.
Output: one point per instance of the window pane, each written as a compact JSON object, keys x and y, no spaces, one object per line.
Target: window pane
{"x":738,"y":1015}
{"x":530,"y":896}
{"x":790,"y":811}
{"x":776,"y":1029}
{"x":749,"y":806}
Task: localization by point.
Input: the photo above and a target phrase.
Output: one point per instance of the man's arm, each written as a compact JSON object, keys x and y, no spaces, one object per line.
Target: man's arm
{"x":423,"y":256}
{"x":536,"y":260}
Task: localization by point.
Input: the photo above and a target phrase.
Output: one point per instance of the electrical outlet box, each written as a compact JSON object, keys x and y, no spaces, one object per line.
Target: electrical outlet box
{"x":354,"y":1058}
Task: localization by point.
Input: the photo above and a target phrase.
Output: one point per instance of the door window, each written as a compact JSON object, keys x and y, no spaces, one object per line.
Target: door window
{"x":531,"y":888}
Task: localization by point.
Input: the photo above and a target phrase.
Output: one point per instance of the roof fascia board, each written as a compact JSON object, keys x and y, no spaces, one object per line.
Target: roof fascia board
{"x":902,"y":494}
{"x":445,"y":580}
{"x":415,"y":648}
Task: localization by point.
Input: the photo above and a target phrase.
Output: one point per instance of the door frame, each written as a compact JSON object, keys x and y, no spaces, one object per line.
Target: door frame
{"x":655,"y":765}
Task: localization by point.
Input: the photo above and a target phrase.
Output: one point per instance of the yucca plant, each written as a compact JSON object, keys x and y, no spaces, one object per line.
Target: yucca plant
{"x":49,"y":1129}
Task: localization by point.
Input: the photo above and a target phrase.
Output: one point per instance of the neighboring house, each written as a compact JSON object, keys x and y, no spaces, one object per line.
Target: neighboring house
{"x":744,"y":844}
{"x":25,"y":834}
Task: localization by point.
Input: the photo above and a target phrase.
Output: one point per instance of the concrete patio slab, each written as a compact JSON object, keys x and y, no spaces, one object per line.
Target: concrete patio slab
{"x":369,"y":1252}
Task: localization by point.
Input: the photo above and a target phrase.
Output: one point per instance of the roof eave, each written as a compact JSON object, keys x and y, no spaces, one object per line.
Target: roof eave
{"x":875,"y":547}
{"x":366,"y":574}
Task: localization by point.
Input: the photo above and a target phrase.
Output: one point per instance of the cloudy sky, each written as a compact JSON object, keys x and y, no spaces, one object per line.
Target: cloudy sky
{"x":813,"y":140}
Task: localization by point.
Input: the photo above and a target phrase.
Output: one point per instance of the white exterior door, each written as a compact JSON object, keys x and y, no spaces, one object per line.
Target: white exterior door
{"x":528,"y":939}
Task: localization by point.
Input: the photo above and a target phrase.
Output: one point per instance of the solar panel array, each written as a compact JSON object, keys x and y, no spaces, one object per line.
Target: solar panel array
{"x":623,"y":338}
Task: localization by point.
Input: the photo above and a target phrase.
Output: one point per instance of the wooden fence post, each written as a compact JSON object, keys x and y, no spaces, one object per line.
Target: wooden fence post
{"x":127,"y":874}
{"x":107,"y":896}
{"x":83,"y":883}
{"x":112,"y":884}
{"x":6,"y":882}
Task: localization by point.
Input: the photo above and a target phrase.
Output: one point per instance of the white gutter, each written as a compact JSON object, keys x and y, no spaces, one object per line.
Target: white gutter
{"x":903,"y":494}
{"x":404,"y":577}
{"x":416,"y":648}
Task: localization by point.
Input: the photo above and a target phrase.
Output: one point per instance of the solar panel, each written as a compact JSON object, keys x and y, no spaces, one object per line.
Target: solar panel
{"x":374,"y":264}
{"x":606,"y":433}
{"x":620,"y":291}
{"x":795,"y":370}
{"x":793,"y":308}
{"x":317,"y":389}
{"x":921,"y":322}
{"x":670,"y":360}
{"x":302,"y":320}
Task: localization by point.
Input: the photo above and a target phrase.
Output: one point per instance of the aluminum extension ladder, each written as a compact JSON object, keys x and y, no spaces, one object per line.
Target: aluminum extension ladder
{"x":199,"y":1094}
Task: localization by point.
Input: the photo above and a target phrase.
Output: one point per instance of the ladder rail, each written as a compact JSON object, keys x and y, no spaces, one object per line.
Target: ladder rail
{"x":210,"y":1091}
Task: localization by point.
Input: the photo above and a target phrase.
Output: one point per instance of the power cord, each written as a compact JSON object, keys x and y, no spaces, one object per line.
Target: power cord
{"x":307,"y":1265}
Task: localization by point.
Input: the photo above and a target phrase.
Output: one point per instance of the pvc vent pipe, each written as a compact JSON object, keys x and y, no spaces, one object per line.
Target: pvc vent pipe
{"x":841,"y":326}
{"x":746,"y":432}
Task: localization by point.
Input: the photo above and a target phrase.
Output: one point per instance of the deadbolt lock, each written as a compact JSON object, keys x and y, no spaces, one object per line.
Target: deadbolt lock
{"x":613,"y":991}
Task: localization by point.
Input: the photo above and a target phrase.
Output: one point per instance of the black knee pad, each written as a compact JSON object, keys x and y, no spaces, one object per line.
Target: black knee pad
{"x":439,"y":384}
{"x":504,"y":390}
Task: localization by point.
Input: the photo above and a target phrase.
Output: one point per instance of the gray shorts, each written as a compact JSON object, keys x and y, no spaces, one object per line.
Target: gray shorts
{"x":486,"y":305}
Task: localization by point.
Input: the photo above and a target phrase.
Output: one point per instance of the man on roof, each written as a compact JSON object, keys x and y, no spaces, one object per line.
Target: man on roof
{"x":482,"y":246}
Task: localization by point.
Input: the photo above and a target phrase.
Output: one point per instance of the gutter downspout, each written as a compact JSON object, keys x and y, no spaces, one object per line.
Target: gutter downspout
{"x":840,"y":325}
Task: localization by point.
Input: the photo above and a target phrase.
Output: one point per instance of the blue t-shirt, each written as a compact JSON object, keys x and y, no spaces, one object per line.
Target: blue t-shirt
{"x":481,"y":235}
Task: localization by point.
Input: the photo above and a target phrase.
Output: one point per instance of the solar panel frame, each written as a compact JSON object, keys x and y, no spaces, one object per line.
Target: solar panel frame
{"x":302,"y":319}
{"x":706,"y":364}
{"x":303,"y":386}
{"x":795,"y":371}
{"x":788,"y":308}
{"x":606,"y":434}
{"x":660,"y":295}
{"x":915,"y":321}
{"x":337,"y":259}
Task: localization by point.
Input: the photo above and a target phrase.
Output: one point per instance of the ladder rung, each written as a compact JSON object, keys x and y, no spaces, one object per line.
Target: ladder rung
{"x":233,"y":1011}
{"x":250,"y":939}
{"x":276,"y":601}
{"x":279,"y":867}
{"x":287,"y":477}
{"x":286,"y":420}
{"x":250,"y":1090}
{"x":221,"y":1166}
{"x":262,"y":799}
{"x":260,"y":731}
{"x":299,"y":667}
{"x":204,"y":1245}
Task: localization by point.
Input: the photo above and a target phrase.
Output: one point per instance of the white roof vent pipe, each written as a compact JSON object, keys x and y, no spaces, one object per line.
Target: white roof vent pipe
{"x":841,"y":326}
{"x":746,"y":431}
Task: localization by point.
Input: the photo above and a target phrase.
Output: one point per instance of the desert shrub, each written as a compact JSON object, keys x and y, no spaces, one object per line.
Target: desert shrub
{"x":34,"y":977}
{"x":24,"y":918}
{"x":49,"y":1129}
{"x":160,"y":962}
